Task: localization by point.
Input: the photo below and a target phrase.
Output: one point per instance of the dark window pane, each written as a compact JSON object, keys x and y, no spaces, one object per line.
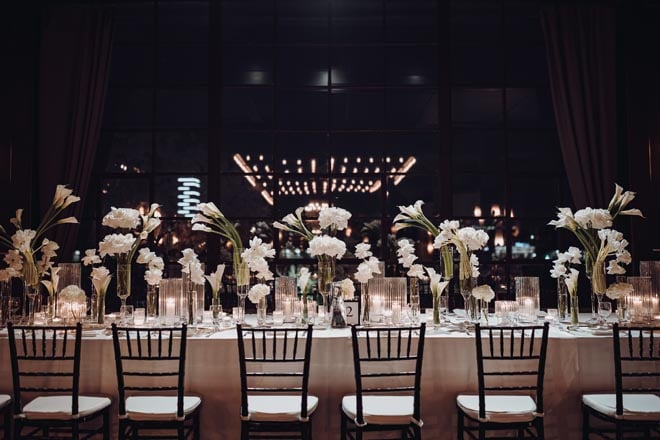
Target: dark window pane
{"x":478,"y":150}
{"x":476,"y":63}
{"x":126,"y":152}
{"x":529,"y":107}
{"x":179,"y":195}
{"x":357,"y":21}
{"x":474,"y":193}
{"x":358,"y":66}
{"x":124,"y":193}
{"x":178,"y":151}
{"x":534,"y":152}
{"x":302,"y":109}
{"x":132,"y":64}
{"x":183,"y":22}
{"x":353,"y":153}
{"x":128,"y":108}
{"x":294,"y":191}
{"x":534,"y":196}
{"x":183,"y":64}
{"x":358,"y":193}
{"x":134,"y":23}
{"x":302,"y":67}
{"x":412,"y":108}
{"x":522,"y":22}
{"x":412,"y":153}
{"x":247,"y":108}
{"x":183,"y":108}
{"x":480,"y":107}
{"x":175,"y":235}
{"x":245,"y":198}
{"x":412,"y":66}
{"x":527,"y":65}
{"x":414,"y":21}
{"x":400,"y":189}
{"x":302,"y":22}
{"x":532,"y":240}
{"x":247,"y":21}
{"x":247,"y":65}
{"x":357,"y":109}
{"x":243,"y":150}
{"x":302,"y":153}
{"x":476,"y":21}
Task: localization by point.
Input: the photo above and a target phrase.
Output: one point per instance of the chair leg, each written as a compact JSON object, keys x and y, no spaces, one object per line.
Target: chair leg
{"x":7,"y":423}
{"x":343,"y":425}
{"x":245,"y":433}
{"x":196,"y":432}
{"x":585,"y":424}
{"x":75,"y":431}
{"x":181,"y":432}
{"x":461,"y":425}
{"x":540,"y":429}
{"x":482,"y":432}
{"x":17,"y":429}
{"x":418,"y":432}
{"x":619,"y":431}
{"x":106,"y":424}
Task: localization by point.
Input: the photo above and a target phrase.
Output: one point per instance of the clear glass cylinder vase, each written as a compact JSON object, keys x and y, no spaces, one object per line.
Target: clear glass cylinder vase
{"x":99,"y":309}
{"x":575,"y":309}
{"x":123,"y":278}
{"x":261,"y":311}
{"x":326,"y":275}
{"x":152,"y":302}
{"x":364,"y":303}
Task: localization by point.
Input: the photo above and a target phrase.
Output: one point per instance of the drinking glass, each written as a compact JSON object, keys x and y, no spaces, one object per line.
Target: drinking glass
{"x":604,"y":311}
{"x":126,"y":315}
{"x":442,"y":306}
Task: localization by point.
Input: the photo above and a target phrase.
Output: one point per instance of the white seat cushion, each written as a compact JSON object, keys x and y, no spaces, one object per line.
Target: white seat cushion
{"x":279,"y":408}
{"x":4,"y":400}
{"x":500,"y":409}
{"x":158,"y":407}
{"x":635,"y":406}
{"x":381,"y":410}
{"x":59,"y":407}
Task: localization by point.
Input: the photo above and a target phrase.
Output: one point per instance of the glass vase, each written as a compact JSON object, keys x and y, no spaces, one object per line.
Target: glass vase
{"x":436,"y":306}
{"x":261,"y":311}
{"x":621,"y":315}
{"x":364,"y":300}
{"x":100,"y":308}
{"x":562,"y":299}
{"x":338,"y":318}
{"x":242,"y":273}
{"x":575,"y":310}
{"x":466,"y":285}
{"x":326,"y":274}
{"x":414,"y":300}
{"x":31,"y":293}
{"x":123,"y":278}
{"x":216,"y":310}
{"x":152,"y":302}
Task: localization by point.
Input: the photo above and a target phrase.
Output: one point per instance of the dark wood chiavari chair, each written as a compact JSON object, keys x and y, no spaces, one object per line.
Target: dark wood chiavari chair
{"x":634,"y":408}
{"x":388,"y":372}
{"x":5,"y":410}
{"x":46,"y":362}
{"x":150,"y":378}
{"x":514,"y":359}
{"x":274,"y":365}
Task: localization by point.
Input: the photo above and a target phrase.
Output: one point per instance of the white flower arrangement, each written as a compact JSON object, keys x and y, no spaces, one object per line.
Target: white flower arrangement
{"x":257,"y":292}
{"x":210,"y":219}
{"x":122,"y":218}
{"x":619,"y":291}
{"x":72,"y":295}
{"x":334,"y":218}
{"x":255,"y":257}
{"x":155,"y":265}
{"x":407,"y":257}
{"x":435,"y":282}
{"x":347,"y":289}
{"x":564,"y":260}
{"x":303,"y":279}
{"x":327,"y":245}
{"x":52,"y":284}
{"x":116,"y":244}
{"x":91,"y":257}
{"x":571,"y":280}
{"x":26,"y":243}
{"x":100,"y":277}
{"x":368,"y":267}
{"x":191,"y":265}
{"x":466,"y":240}
{"x":483,"y":292}
{"x":612,"y":244}
{"x":215,"y":279}
{"x":294,"y":223}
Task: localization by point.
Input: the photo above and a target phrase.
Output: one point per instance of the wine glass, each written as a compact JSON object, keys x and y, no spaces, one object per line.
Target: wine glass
{"x":604,"y":311}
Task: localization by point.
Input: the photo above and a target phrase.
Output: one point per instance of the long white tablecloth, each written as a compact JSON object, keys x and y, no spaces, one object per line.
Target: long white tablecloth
{"x":577,"y":362}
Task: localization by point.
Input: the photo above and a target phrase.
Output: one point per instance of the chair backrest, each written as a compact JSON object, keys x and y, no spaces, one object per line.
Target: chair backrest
{"x":274,"y":361}
{"x":150,"y":361}
{"x":636,"y":361}
{"x":45,"y":360}
{"x":513,"y":355}
{"x":388,"y":360}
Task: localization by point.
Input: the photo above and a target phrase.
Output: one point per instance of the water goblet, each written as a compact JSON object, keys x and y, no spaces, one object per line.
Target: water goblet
{"x":604,"y":311}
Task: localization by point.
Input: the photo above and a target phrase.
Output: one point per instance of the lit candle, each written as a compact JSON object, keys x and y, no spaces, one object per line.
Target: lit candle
{"x":278,"y":317}
{"x":377,"y":306}
{"x":387,"y":316}
{"x":288,"y":309}
{"x":396,"y":313}
{"x":170,"y":309}
{"x":321,"y":312}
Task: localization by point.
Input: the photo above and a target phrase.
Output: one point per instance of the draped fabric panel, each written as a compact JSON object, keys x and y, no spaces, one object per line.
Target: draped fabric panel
{"x":76,"y":46}
{"x":581,"y":47}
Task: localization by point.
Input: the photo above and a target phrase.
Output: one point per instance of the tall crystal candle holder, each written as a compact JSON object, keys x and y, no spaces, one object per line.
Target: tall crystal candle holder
{"x":528,"y":298}
{"x":286,"y":291}
{"x":69,"y":274}
{"x":169,"y":300}
{"x":639,"y":302}
{"x":652,"y":269}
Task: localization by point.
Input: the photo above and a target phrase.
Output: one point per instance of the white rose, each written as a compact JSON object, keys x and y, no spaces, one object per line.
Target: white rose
{"x":362,"y":251}
{"x":122,"y":218}
{"x":257,"y":292}
{"x":619,"y":290}
{"x":333,"y":217}
{"x":347,"y":289}
{"x":326,"y":245}
{"x":115,"y":244}
{"x":153,"y":276}
{"x":483,"y":292}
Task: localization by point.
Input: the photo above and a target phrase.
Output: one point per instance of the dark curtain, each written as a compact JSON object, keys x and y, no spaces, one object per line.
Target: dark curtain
{"x":581,"y":46}
{"x":75,"y":54}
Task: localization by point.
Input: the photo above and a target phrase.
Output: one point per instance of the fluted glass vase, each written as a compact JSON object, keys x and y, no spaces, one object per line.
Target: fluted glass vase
{"x":326,"y":274}
{"x":123,"y":278}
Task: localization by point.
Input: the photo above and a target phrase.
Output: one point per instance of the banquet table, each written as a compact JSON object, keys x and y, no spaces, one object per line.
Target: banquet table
{"x":578,"y":361}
